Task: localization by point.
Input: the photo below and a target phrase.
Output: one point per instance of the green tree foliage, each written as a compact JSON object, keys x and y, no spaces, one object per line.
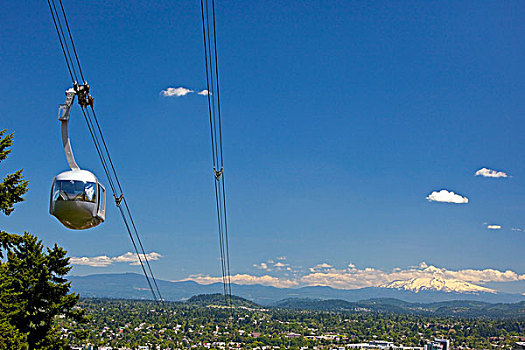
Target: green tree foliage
{"x":13,"y":186}
{"x":33,"y":290}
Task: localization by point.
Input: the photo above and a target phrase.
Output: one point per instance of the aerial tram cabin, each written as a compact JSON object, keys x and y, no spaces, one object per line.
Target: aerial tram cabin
{"x":78,"y":200}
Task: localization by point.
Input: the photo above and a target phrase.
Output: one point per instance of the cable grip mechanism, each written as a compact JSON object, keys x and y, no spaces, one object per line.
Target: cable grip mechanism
{"x":217,"y":173}
{"x":118,"y":199}
{"x":82,"y":91}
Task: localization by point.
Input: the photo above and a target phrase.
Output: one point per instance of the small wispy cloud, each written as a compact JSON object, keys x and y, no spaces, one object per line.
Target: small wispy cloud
{"x":178,"y":91}
{"x":95,"y":261}
{"x":446,"y":196}
{"x":104,"y":261}
{"x":132,"y":259}
{"x":182,"y":91}
{"x":275,"y":265}
{"x":494,"y":227}
{"x":262,"y":266}
{"x":491,"y":173}
{"x":321,"y":267}
{"x":517,"y":229}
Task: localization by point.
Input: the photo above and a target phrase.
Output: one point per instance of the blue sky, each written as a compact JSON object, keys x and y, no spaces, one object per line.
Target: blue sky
{"x":339,"y":120}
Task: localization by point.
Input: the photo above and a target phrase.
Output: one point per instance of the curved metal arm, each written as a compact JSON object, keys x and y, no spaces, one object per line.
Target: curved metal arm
{"x":63,"y":115}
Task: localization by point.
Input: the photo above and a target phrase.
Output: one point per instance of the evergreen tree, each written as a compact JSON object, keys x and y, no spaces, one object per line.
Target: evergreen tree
{"x":33,"y":290}
{"x":13,"y":186}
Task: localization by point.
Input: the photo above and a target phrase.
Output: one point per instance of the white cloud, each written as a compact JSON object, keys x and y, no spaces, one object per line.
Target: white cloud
{"x":133,"y":260}
{"x":96,"y":261}
{"x":517,"y":229}
{"x":483,"y":276}
{"x":352,"y":278}
{"x":321,"y":267}
{"x":494,"y":227}
{"x":445,"y":196}
{"x":244,"y":279}
{"x":204,"y":92}
{"x":179,"y":91}
{"x":104,"y":261}
{"x":262,"y":266}
{"x":491,"y":173}
{"x":278,"y":264}
{"x":275,"y":265}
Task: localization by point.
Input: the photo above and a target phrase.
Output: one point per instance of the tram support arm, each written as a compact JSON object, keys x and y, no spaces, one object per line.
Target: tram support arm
{"x":63,"y":115}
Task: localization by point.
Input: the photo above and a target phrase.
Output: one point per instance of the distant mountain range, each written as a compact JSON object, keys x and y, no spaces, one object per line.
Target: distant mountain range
{"x":134,"y":286}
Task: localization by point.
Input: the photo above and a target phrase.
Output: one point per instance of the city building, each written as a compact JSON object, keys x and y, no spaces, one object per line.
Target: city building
{"x":438,"y":344}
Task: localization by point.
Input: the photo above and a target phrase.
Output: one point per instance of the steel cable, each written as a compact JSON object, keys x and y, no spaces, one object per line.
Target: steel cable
{"x":72,"y":42}
{"x":60,"y":39}
{"x":91,"y":128}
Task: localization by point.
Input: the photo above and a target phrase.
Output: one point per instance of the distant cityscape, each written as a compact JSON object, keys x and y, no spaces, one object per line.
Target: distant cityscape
{"x":437,"y":344}
{"x":203,"y":323}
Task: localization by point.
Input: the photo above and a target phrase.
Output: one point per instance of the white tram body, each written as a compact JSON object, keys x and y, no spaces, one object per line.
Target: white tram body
{"x":78,"y":200}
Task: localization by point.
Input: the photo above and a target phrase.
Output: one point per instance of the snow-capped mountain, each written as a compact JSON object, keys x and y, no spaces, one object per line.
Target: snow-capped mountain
{"x":437,"y":283}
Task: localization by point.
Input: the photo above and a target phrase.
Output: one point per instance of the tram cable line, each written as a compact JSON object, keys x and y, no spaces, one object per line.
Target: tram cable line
{"x":73,"y":76}
{"x":72,"y":42}
{"x":123,"y":200}
{"x":85,"y":100}
{"x":104,"y":165}
{"x":214,"y":111}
